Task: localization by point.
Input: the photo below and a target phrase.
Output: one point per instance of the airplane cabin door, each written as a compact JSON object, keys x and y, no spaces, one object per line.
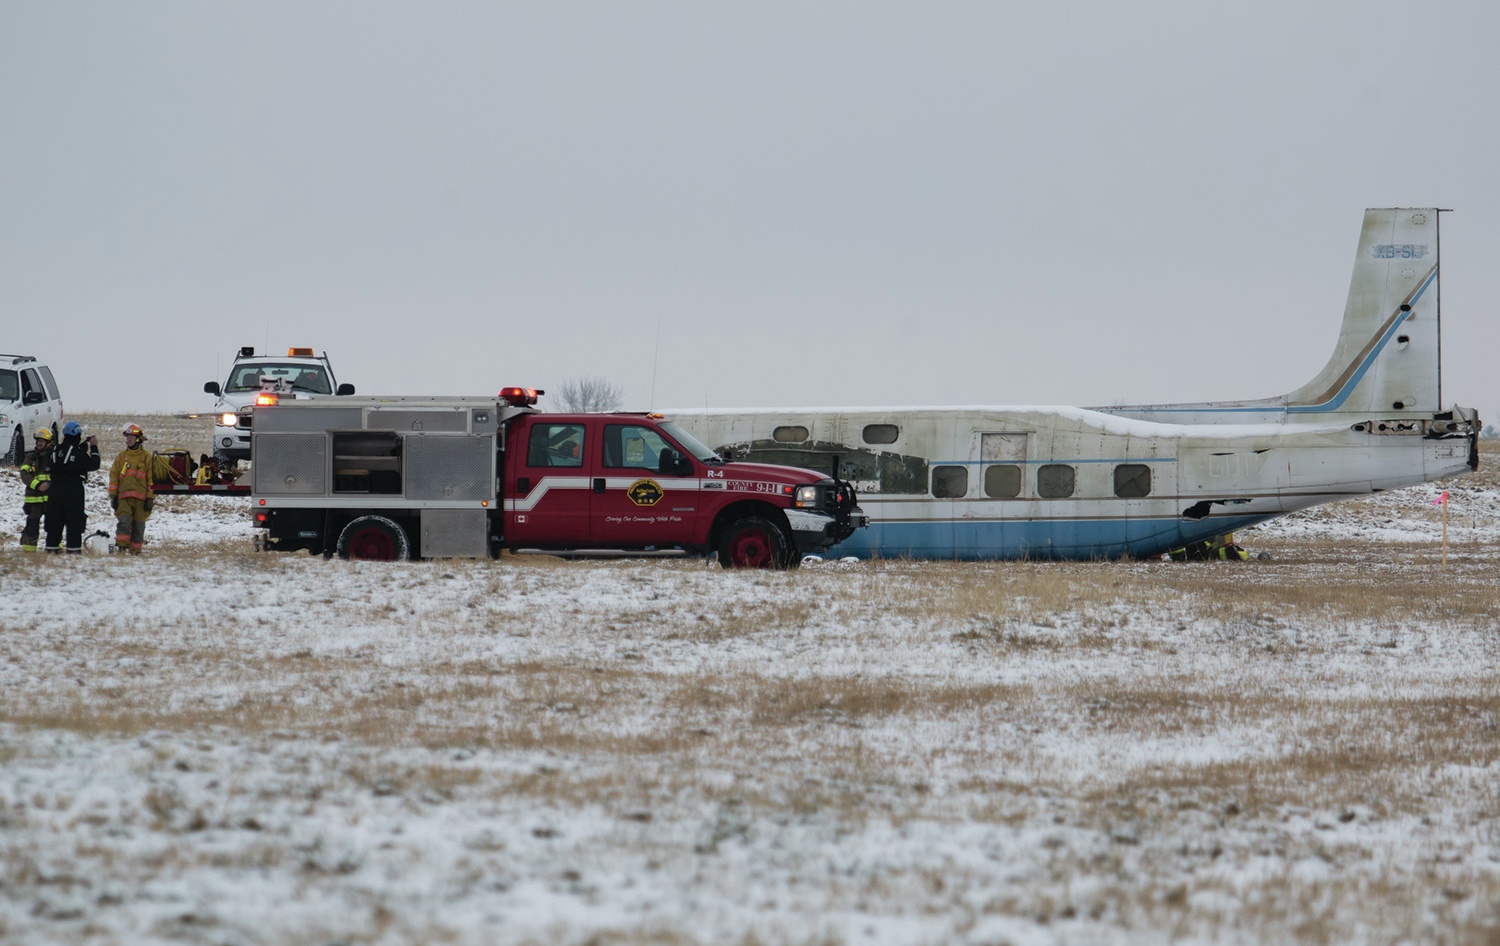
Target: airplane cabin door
{"x":1002,"y":485}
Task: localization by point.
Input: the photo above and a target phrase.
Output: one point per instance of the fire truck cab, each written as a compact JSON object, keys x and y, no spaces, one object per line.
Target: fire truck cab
{"x":400,"y":478}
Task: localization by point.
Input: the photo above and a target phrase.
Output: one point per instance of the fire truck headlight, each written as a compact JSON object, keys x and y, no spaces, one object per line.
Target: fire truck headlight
{"x":807,"y":496}
{"x":229,"y":420}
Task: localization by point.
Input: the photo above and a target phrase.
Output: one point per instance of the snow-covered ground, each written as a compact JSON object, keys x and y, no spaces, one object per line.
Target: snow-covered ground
{"x":206,"y":745}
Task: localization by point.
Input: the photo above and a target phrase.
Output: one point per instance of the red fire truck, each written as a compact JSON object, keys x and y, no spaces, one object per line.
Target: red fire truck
{"x":404,"y":477}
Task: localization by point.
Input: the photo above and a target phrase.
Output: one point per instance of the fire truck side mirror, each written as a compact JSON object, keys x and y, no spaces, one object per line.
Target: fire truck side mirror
{"x":345,"y":390}
{"x":211,"y":387}
{"x":672,"y":463}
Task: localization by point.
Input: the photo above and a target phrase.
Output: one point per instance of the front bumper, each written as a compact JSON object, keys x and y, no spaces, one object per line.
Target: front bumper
{"x":815,"y":532}
{"x":233,"y":442}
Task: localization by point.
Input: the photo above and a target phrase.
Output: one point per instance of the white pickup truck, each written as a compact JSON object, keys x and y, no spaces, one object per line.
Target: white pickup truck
{"x":300,"y":374}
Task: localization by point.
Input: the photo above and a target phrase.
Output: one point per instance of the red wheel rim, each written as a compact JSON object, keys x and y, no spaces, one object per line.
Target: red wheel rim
{"x":372,"y":543}
{"x":751,"y":548}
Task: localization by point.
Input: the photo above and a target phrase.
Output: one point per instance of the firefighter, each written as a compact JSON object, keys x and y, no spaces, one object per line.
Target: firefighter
{"x":130,"y":491}
{"x":72,"y":462}
{"x":1221,"y":548}
{"x":36,"y":473}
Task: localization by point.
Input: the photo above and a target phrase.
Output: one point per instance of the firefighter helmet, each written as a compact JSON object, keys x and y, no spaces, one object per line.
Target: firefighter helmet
{"x":72,"y":429}
{"x":43,"y":433}
{"x":133,"y":430}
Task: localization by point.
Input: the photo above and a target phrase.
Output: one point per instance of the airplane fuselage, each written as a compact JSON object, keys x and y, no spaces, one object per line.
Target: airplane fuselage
{"x":1007,"y":483}
{"x":1064,"y":482}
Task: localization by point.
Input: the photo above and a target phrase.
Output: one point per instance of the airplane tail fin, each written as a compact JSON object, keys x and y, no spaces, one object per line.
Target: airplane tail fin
{"x":1387,"y":360}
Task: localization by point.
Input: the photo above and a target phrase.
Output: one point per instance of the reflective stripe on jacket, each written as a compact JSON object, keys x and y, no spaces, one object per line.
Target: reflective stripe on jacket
{"x":130,"y":477}
{"x":35,"y":470}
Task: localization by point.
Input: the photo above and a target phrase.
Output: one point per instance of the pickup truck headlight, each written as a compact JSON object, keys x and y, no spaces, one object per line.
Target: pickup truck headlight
{"x":228,"y":420}
{"x":807,"y":497}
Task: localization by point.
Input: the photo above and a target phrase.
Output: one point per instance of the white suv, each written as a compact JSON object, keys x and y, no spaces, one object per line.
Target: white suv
{"x":300,"y":374}
{"x":28,"y":402}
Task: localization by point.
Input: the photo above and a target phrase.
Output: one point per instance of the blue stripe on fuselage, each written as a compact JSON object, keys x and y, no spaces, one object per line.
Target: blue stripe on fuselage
{"x":970,"y":539}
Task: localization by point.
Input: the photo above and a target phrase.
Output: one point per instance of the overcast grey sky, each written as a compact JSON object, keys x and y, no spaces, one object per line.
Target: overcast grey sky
{"x":817,"y":203}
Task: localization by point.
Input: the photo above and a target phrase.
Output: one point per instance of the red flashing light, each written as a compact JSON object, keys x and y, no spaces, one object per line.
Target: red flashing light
{"x":265,"y":399}
{"x":787,"y":490}
{"x":520,"y":397}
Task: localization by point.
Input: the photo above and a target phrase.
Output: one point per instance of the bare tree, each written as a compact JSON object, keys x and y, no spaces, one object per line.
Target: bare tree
{"x":590,"y":394}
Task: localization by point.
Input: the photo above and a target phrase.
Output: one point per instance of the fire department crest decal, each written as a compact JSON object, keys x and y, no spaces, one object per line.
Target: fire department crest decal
{"x":645,"y":492}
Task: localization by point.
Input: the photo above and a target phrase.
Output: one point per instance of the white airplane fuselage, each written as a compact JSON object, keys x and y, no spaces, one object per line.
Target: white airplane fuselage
{"x":1067,"y":482}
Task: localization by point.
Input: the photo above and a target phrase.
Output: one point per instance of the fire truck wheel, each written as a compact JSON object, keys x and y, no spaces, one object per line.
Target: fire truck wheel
{"x":374,"y":539}
{"x":752,"y":542}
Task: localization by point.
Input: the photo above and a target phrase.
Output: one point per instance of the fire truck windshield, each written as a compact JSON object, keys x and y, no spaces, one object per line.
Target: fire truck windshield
{"x":691,"y":444}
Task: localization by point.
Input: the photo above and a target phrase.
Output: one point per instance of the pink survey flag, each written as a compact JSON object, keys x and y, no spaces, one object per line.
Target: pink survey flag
{"x":1441,"y":500}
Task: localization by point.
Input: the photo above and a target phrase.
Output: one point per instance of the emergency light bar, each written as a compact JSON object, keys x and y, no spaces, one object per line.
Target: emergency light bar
{"x":299,"y":353}
{"x":520,"y":397}
{"x":266,"y":399}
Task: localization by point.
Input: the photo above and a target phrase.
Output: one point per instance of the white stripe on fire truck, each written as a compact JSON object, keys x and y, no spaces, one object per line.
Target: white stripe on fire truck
{"x":529,"y":501}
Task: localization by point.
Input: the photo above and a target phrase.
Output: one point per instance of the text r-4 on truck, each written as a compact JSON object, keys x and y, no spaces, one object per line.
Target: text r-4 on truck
{"x":400,"y":478}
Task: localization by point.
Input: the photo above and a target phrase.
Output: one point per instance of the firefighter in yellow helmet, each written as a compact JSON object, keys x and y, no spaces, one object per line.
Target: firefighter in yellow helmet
{"x":36,"y":473}
{"x":130,"y":493}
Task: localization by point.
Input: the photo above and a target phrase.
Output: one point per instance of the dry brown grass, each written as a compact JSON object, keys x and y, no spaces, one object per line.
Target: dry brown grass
{"x":163,"y":431}
{"x":1248,"y":720}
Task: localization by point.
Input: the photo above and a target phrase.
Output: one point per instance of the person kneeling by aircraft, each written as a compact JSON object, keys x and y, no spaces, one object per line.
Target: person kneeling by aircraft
{"x":1220,"y":548}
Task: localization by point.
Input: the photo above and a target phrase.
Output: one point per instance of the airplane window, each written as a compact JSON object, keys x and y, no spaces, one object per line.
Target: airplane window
{"x":881,"y":433}
{"x":1002,"y":481}
{"x":950,"y":482}
{"x":1055,"y":481}
{"x":789,"y":434}
{"x":1132,"y":480}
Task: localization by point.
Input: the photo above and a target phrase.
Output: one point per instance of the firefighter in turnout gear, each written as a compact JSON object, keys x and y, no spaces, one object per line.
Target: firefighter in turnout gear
{"x":72,"y":462}
{"x":36,"y":473}
{"x":130,"y":490}
{"x":1220,"y":548}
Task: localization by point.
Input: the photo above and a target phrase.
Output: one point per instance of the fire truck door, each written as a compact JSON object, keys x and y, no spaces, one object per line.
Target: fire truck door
{"x":641,"y":496}
{"x":548,"y":495}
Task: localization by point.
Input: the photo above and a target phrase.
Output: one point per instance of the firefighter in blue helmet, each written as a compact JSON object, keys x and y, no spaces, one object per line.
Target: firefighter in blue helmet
{"x":72,"y":462}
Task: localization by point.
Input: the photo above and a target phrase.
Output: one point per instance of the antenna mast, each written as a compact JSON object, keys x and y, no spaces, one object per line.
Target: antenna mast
{"x":655,"y":357}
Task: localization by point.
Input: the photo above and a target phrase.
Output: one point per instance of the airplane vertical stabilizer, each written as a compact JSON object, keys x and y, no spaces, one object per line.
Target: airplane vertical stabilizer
{"x":1387,"y":362}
